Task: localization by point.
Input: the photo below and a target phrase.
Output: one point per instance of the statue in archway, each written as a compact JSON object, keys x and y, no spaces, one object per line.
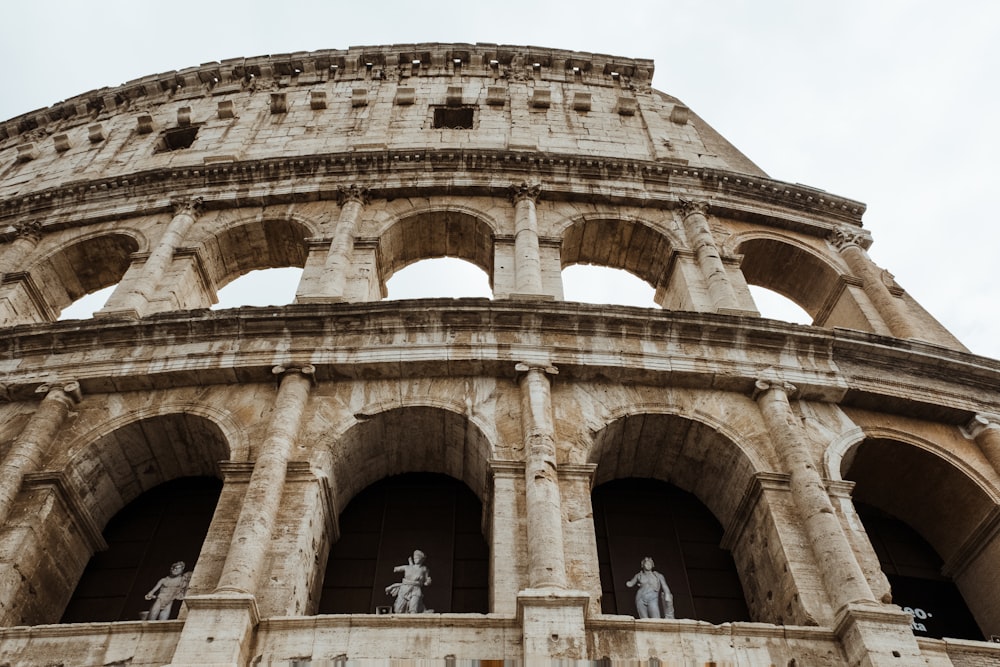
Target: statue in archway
{"x":653,"y":599}
{"x":169,"y":588}
{"x":409,"y":593}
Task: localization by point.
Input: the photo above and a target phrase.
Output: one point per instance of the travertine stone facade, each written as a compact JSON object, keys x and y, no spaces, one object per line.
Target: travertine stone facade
{"x":354,"y":164}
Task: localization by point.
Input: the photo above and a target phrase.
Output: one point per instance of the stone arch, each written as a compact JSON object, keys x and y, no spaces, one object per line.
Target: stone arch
{"x":918,"y":469}
{"x":81,"y":266}
{"x":681,"y":449}
{"x":118,"y":465}
{"x":789,"y":267}
{"x":411,"y":438}
{"x":704,"y":456}
{"x":631,"y":244}
{"x":944,"y":500}
{"x":72,"y":504}
{"x":254,"y":243}
{"x":431,"y":232}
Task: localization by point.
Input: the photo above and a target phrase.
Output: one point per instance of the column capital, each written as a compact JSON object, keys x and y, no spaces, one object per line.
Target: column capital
{"x":353,"y":193}
{"x":70,"y":390}
{"x":764,"y":385}
{"x":30,"y":230}
{"x":690,"y":207}
{"x":188,"y":205}
{"x":525,"y":191}
{"x":844,"y":237}
{"x":307,"y":370}
{"x":522,"y":368}
{"x":980,"y":423}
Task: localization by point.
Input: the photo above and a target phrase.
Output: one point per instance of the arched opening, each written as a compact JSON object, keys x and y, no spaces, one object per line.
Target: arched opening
{"x":925,"y":518}
{"x":435,"y":234}
{"x":630,"y":246}
{"x":804,"y":278}
{"x":380,"y":530}
{"x":121,"y":465}
{"x":410,"y":439}
{"x":106,"y":474}
{"x":159,"y":528}
{"x":639,"y":518}
{"x":79,"y":278}
{"x":668,"y":469}
{"x":85,"y":307}
{"x":604,"y":285}
{"x":775,"y":306}
{"x":913,"y":569}
{"x":263,"y":287}
{"x":250,"y":251}
{"x":439,"y":277}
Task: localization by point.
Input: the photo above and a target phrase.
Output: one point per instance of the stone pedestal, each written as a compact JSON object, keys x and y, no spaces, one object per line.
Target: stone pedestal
{"x":218,"y":631}
{"x":553,"y":625}
{"x":873,"y":636}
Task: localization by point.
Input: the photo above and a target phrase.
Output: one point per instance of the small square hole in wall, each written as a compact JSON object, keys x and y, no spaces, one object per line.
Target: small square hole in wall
{"x":457,"y":118}
{"x":176,"y":138}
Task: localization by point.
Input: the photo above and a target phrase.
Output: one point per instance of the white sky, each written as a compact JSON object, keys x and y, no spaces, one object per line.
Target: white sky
{"x":890,"y":102}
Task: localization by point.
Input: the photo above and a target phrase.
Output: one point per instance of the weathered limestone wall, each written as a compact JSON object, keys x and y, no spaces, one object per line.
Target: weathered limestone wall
{"x":331,"y":161}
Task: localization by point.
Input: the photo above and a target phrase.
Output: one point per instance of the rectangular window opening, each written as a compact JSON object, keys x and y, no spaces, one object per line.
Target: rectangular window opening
{"x":457,"y":118}
{"x":176,"y":138}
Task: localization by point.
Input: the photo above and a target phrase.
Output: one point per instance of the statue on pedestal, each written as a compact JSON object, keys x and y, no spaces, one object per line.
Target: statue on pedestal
{"x":653,"y":599}
{"x":169,"y":588}
{"x":409,"y":593}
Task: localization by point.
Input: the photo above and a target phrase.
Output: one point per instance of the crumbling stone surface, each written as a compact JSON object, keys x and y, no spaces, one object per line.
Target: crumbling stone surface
{"x":354,"y":164}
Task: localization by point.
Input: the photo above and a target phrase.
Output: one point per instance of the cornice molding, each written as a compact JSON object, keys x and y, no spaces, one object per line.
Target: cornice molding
{"x":391,"y":174}
{"x":848,"y":367}
{"x":356,"y":63}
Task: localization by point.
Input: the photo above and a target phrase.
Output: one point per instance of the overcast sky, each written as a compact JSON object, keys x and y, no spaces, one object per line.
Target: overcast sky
{"x":893,"y":103}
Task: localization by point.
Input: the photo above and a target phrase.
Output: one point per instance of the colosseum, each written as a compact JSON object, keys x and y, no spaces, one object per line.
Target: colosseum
{"x":347,"y":479}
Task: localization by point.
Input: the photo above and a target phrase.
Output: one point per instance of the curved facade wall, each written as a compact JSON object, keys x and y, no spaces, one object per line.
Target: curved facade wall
{"x":353,"y":165}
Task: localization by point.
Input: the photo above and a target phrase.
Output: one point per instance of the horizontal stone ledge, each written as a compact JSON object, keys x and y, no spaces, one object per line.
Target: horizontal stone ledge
{"x":682,"y":349}
{"x":396,"y":174}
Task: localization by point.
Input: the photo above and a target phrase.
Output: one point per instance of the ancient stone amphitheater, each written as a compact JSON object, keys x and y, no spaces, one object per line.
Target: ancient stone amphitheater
{"x":812,"y":495}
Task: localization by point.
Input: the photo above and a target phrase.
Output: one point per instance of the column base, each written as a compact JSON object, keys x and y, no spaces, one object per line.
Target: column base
{"x":218,"y":630}
{"x":553,"y":624}
{"x":320,"y":299}
{"x":530,"y":297}
{"x":875,"y":635}
{"x":737,"y":312}
{"x":118,"y":314}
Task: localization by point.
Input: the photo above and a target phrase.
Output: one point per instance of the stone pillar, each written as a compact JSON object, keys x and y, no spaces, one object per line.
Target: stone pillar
{"x":843,"y":578}
{"x":985,"y":430}
{"x":220,"y":625}
{"x":242,"y":571}
{"x":134,"y":303}
{"x":507,"y":534}
{"x":874,"y":282}
{"x":338,"y":263}
{"x":580,"y":546}
{"x":26,"y":237}
{"x":713,"y":270}
{"x":31,"y":446}
{"x":553,"y":619}
{"x":872,"y":635}
{"x":546,"y":564}
{"x":527,"y":253}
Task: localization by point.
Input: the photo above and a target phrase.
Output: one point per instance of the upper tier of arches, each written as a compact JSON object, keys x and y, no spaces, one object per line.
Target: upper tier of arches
{"x":178,"y":261}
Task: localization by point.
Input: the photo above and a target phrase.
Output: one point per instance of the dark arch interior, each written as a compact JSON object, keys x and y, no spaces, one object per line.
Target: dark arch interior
{"x":634,"y":518}
{"x":83,"y":268}
{"x":385,"y":523}
{"x":914,"y":572}
{"x":618,"y":244}
{"x":789,"y":271}
{"x":436,"y":234}
{"x":162,"y":526}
